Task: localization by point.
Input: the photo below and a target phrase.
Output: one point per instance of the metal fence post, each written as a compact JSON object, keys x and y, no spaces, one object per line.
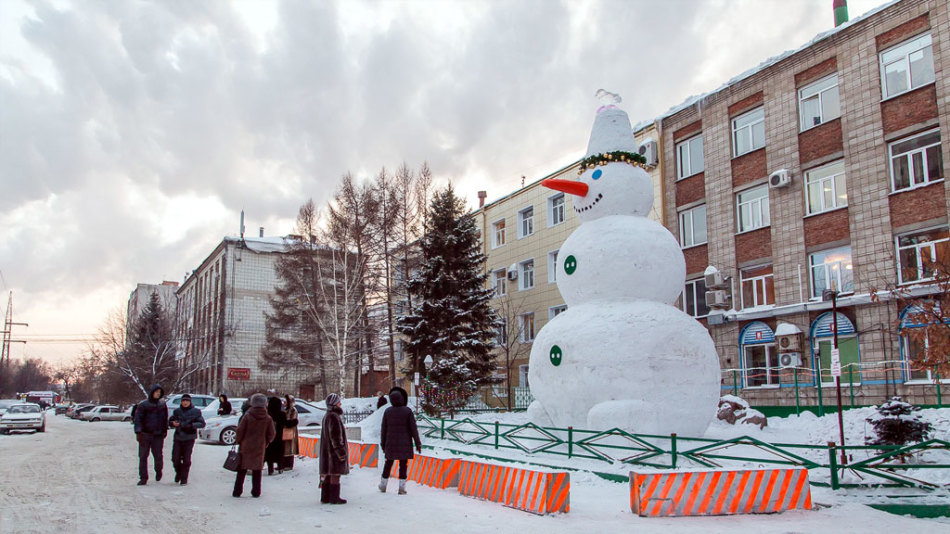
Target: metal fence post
{"x":939,"y":397}
{"x":496,"y":434}
{"x":833,"y":465}
{"x":673,"y":448}
{"x":570,"y":441}
{"x":442,"y":432}
{"x":851,"y":384}
{"x":821,"y":405}
{"x":735,"y":384}
{"x":798,"y":400}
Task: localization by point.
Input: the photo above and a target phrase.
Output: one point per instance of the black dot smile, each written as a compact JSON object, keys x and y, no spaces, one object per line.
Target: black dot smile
{"x":591,"y":205}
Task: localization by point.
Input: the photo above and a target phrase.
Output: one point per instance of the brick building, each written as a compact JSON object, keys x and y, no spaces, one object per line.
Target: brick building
{"x":822,"y":169}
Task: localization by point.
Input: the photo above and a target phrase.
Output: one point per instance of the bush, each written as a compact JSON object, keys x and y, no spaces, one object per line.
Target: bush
{"x":895,"y":423}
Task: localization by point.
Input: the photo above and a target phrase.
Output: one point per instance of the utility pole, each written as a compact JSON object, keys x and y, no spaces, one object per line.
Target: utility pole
{"x":7,"y":332}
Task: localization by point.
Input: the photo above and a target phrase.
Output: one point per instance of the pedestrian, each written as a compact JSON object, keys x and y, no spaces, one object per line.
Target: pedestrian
{"x":334,"y":451}
{"x":254,"y":432}
{"x":151,"y":427}
{"x":275,"y":450}
{"x":224,"y":407}
{"x":245,"y":406}
{"x":290,"y":432}
{"x":186,"y":420}
{"x":381,"y":401}
{"x":397,"y":436}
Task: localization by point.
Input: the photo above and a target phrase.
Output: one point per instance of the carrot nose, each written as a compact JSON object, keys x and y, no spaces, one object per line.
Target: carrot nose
{"x":572,"y":187}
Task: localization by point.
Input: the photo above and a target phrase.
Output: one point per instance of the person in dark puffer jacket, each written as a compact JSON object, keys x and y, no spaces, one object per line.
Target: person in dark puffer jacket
{"x":334,"y":451}
{"x":186,"y":421}
{"x":151,"y":427}
{"x":275,"y":450}
{"x":398,"y":434}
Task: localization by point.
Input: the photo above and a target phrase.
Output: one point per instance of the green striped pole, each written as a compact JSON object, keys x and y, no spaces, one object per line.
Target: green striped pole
{"x":841,"y":11}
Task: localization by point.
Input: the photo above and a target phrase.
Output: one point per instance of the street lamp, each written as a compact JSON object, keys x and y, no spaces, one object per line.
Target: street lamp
{"x":425,"y":367}
{"x":832,"y":295}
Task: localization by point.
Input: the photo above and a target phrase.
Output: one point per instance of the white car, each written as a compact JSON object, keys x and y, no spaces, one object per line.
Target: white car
{"x":224,"y":429}
{"x":106,"y":413}
{"x":23,"y":416}
{"x":6,"y":403}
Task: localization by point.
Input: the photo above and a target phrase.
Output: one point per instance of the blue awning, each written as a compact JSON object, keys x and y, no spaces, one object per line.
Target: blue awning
{"x":755,"y":333}
{"x":821,"y":327}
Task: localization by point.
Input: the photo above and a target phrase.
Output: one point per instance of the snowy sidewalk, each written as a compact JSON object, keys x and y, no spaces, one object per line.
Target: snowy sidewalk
{"x":80,"y":477}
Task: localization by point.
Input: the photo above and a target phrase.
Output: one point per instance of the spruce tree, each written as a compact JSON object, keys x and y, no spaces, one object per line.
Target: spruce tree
{"x":452,"y":320}
{"x":895,"y":423}
{"x":150,"y":354}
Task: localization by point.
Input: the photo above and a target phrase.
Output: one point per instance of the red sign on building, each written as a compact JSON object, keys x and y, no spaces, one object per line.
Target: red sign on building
{"x":239,"y":373}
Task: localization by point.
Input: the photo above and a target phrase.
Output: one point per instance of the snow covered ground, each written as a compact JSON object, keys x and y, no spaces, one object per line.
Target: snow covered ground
{"x":80,"y":477}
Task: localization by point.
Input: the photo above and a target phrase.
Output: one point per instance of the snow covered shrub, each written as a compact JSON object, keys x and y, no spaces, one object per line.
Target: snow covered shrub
{"x":895,"y":423}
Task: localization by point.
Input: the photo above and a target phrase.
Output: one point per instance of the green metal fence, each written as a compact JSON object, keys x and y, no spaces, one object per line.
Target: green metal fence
{"x":922,"y":465}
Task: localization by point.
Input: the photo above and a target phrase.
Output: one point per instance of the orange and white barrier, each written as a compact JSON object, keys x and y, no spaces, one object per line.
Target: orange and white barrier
{"x":438,"y":473}
{"x":361,"y":454}
{"x":533,"y":491}
{"x":308,"y":446}
{"x":720,"y":492}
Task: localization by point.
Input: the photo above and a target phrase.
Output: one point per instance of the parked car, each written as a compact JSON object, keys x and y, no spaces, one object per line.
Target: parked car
{"x":61,"y":409}
{"x":308,"y":414}
{"x":6,"y":403}
{"x":23,"y":416}
{"x":77,"y":409}
{"x":211,"y":410}
{"x":198,"y":401}
{"x":220,"y":429}
{"x":106,"y":412}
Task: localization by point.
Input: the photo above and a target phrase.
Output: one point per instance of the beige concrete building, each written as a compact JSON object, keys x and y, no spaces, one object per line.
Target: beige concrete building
{"x":521,"y":233}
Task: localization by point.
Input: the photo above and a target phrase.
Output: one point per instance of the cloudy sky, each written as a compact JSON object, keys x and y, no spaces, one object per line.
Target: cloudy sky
{"x":133,"y":133}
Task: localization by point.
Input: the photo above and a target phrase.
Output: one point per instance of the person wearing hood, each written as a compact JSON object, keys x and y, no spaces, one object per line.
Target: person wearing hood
{"x":334,"y":451}
{"x":275,"y":450}
{"x":397,"y":436}
{"x":151,"y":427}
{"x":224,"y":406}
{"x":289,"y":437}
{"x":186,"y":420}
{"x":254,"y":432}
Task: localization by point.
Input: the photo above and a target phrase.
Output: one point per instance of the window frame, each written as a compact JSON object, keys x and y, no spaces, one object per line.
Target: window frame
{"x":690,"y":212}
{"x":501,"y":289}
{"x":932,"y":245}
{"x":687,"y":144}
{"x":496,"y":234}
{"x":554,"y":311}
{"x":819,"y":93}
{"x":912,"y":45}
{"x":554,"y":209}
{"x":521,"y":327}
{"x":765,"y":217}
{"x":698,"y":297}
{"x":523,"y":275}
{"x":523,"y":221}
{"x":736,"y":129}
{"x":764,"y":279}
{"x":910,"y":161}
{"x":552,"y":266}
{"x":829,"y":274}
{"x":812,"y":180}
{"x":772,"y":373}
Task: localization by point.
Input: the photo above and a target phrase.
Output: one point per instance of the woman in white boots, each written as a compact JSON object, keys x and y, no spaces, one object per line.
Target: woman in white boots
{"x":398,"y":434}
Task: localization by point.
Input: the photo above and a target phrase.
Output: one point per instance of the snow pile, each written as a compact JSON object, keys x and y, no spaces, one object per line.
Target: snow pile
{"x":371,"y":426}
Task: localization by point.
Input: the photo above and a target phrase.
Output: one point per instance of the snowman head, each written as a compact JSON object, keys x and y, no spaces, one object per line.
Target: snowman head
{"x":611,"y":182}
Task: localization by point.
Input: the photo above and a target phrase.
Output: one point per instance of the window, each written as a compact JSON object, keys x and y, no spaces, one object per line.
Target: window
{"x":526,"y":280}
{"x":748,"y":132}
{"x":501,"y":333}
{"x":831,"y":269}
{"x":761,"y":362}
{"x":556,"y":210}
{"x":825,"y":188}
{"x":907,"y":66}
{"x":526,"y":327}
{"x":500,"y":282}
{"x":554,"y":311}
{"x":498,"y":234}
{"x":523,"y":376}
{"x":552,"y":267}
{"x":916,"y":161}
{"x":693,"y":226}
{"x":689,"y":157}
{"x":753,"y":208}
{"x":918,"y":252}
{"x":818,"y":102}
{"x":526,"y":222}
{"x":914,"y":348}
{"x":694,"y":298}
{"x":758,"y":288}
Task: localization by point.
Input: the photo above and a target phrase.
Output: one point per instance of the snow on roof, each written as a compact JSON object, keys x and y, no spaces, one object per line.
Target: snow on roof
{"x":773,"y":60}
{"x":786,"y":329}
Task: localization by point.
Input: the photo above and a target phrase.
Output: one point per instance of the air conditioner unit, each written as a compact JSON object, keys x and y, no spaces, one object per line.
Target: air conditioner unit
{"x":789,"y":343}
{"x":780,"y":178}
{"x":649,"y":149}
{"x":512,"y":274}
{"x":790,"y":359}
{"x":717,"y":299}
{"x":716,"y":280}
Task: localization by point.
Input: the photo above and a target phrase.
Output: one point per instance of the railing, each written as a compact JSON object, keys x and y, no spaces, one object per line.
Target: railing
{"x":877,"y":466}
{"x":352,"y":418}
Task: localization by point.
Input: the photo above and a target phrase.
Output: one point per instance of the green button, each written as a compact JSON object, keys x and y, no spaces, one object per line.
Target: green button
{"x":570,"y":264}
{"x":556,"y":355}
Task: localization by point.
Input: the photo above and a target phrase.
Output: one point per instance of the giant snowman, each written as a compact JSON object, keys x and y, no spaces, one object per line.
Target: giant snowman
{"x":621,"y":356}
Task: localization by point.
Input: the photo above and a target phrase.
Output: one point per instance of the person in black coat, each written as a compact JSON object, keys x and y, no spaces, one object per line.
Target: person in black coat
{"x":224,"y":407}
{"x":151,"y":427}
{"x":186,"y":420}
{"x":275,"y":449}
{"x":334,"y":451}
{"x":381,"y":401}
{"x":398,"y":434}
